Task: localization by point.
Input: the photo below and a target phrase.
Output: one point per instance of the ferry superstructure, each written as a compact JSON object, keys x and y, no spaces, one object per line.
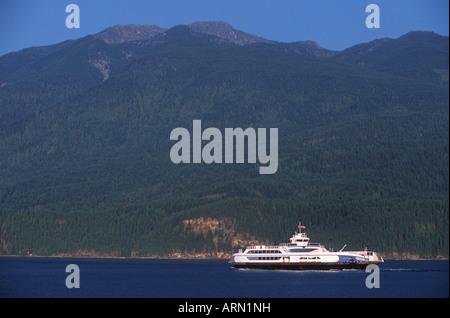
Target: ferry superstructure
{"x":300,"y":254}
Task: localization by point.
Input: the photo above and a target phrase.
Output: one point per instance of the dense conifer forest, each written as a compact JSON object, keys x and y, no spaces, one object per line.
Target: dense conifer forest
{"x":84,"y":157}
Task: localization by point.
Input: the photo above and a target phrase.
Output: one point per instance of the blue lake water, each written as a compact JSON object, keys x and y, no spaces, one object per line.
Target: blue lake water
{"x":131,"y":278}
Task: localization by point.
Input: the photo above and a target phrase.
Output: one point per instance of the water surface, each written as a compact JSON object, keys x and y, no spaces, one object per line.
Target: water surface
{"x":131,"y":278}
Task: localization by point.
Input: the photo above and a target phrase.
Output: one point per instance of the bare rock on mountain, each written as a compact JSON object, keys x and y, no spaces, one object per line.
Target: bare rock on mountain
{"x":225,"y":32}
{"x":129,"y":32}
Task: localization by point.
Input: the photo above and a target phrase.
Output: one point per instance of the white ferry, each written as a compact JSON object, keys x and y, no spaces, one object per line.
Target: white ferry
{"x":300,"y":254}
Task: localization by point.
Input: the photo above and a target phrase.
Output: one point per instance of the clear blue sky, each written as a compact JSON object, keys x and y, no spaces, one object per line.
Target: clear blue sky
{"x":334,"y":24}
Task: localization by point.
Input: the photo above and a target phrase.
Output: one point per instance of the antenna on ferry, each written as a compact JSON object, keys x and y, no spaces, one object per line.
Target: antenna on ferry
{"x":300,"y":227}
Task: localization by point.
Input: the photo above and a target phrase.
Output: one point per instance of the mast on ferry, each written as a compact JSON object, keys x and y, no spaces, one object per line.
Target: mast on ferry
{"x":300,"y":227}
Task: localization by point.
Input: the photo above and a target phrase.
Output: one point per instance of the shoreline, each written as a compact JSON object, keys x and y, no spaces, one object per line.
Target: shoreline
{"x":192,"y":258}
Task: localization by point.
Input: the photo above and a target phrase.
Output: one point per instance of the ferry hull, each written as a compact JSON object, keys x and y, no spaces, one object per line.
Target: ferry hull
{"x":302,"y":266}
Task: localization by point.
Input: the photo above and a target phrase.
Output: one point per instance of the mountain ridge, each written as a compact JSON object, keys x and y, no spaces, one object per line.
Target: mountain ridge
{"x":139,"y":39}
{"x":121,"y":33}
{"x":129,"y":32}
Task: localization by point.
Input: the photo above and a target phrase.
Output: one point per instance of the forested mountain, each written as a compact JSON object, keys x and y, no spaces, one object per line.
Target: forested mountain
{"x":363,"y":138}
